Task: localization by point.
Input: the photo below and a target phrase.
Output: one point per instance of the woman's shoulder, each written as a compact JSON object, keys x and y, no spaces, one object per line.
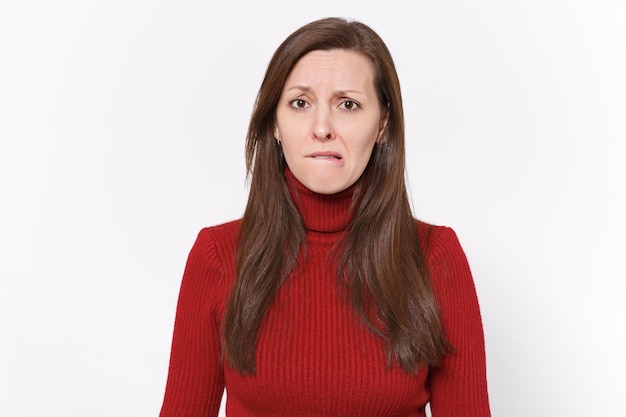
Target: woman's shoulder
{"x":444,"y":256}
{"x":437,"y":238}
{"x":220,"y":232}
{"x":222,"y":229}
{"x":212,"y":256}
{"x":217,"y":241}
{"x":434,"y":235}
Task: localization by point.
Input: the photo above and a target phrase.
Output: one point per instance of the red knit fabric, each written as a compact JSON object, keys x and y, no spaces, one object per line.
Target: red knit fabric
{"x":314,"y":357}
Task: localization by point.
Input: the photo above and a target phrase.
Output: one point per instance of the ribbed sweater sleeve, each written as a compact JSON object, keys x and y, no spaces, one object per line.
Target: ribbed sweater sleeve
{"x":459,"y":385}
{"x":195,"y":382}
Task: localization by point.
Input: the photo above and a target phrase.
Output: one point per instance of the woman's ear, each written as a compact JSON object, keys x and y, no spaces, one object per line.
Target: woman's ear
{"x":382,"y":137}
{"x":277,"y":134}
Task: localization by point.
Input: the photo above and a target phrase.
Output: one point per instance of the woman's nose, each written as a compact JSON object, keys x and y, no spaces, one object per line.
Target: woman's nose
{"x":323,"y":129}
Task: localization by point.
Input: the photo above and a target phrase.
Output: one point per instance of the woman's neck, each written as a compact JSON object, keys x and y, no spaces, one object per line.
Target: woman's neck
{"x":326,"y":213}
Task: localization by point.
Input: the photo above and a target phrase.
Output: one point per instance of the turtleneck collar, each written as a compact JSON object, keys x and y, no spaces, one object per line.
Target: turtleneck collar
{"x":324,"y":213}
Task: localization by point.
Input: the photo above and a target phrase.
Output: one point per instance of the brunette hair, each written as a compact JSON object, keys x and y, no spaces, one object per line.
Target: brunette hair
{"x":385,"y":275}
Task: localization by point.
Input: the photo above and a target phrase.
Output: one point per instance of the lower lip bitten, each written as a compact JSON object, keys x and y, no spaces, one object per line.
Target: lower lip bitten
{"x":334,"y":160}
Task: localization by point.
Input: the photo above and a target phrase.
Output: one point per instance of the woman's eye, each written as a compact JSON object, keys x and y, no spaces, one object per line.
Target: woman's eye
{"x":298,"y":103}
{"x":349,"y":105}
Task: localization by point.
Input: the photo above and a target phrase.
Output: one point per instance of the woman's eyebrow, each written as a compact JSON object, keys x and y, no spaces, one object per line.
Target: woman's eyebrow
{"x":336,"y":93}
{"x":299,"y":87}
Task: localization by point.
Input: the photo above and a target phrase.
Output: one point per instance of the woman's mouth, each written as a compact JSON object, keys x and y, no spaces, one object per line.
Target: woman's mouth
{"x":334,"y":157}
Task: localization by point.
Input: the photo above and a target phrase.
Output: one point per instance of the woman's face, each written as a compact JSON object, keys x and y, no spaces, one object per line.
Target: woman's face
{"x":328,"y":119}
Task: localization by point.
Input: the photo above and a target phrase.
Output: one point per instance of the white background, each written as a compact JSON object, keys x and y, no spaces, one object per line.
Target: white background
{"x":122,"y":128}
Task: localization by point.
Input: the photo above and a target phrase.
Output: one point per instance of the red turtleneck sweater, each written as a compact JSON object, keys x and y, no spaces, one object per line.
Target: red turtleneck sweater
{"x":314,"y":357}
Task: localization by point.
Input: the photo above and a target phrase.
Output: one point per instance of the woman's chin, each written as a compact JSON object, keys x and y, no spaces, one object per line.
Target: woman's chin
{"x":326,"y":187}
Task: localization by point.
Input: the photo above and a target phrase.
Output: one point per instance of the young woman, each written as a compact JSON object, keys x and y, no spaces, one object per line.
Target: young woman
{"x":327,"y":298}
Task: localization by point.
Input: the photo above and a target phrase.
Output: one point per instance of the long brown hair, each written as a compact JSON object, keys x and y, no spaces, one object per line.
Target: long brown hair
{"x":385,"y":275}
